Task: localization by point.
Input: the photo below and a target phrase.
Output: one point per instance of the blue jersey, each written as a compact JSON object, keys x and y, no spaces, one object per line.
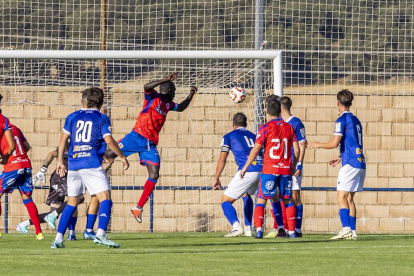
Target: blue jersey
{"x":299,"y":130}
{"x":349,"y":127}
{"x":87,"y":128}
{"x":241,"y":142}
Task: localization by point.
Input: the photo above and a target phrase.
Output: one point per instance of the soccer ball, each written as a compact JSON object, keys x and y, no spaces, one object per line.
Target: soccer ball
{"x":237,"y":95}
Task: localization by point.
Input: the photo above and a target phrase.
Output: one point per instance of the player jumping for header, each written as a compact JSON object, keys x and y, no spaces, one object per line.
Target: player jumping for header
{"x":240,"y":141}
{"x":277,"y":137}
{"x":143,"y":139}
{"x":348,"y":135}
{"x":90,"y":132}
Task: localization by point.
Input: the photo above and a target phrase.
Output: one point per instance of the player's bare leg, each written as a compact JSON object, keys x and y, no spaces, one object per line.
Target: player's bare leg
{"x":352,"y":214}
{"x":299,"y":212}
{"x":153,"y":173}
{"x":342,"y":198}
{"x":231,"y":215}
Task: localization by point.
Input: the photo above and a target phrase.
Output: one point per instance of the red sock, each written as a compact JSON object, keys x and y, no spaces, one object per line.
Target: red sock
{"x":285,"y":221}
{"x":148,"y":188}
{"x":33,"y":214}
{"x":275,"y":226}
{"x":258,"y":215}
{"x":291,"y":216}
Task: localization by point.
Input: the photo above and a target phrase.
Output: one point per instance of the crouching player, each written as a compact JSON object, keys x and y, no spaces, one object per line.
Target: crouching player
{"x":277,"y":137}
{"x":240,"y":142}
{"x":90,"y":132}
{"x":351,"y":177}
{"x":17,"y":170}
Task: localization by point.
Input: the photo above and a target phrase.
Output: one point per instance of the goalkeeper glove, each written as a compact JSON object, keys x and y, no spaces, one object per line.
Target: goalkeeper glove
{"x":299,"y":166}
{"x":40,"y":176}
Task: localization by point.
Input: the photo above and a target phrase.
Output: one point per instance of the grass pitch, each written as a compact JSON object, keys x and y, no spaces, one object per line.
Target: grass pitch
{"x":209,"y":254}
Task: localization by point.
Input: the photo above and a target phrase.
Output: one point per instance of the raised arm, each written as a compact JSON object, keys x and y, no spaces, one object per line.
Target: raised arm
{"x":184,"y":104}
{"x":151,"y":85}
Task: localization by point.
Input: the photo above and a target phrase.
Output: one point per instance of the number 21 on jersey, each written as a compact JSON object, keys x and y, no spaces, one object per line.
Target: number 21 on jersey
{"x":274,"y":151}
{"x":83,"y":131}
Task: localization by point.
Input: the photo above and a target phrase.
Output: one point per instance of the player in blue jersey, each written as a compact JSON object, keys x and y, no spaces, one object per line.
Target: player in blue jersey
{"x":90,"y":133}
{"x":290,"y":216}
{"x":240,"y":141}
{"x":348,"y":135}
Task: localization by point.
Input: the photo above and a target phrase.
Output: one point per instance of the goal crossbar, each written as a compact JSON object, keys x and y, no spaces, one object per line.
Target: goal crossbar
{"x":274,"y":55}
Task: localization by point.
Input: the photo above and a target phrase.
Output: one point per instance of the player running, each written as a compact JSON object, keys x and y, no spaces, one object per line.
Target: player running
{"x":17,"y":170}
{"x":240,"y":142}
{"x":90,"y":132}
{"x":58,"y":190}
{"x":143,"y":139}
{"x":277,"y":137}
{"x":287,"y":211}
{"x":348,"y":135}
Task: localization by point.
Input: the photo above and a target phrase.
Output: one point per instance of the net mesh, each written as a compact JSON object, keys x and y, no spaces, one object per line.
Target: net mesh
{"x":365,"y":46}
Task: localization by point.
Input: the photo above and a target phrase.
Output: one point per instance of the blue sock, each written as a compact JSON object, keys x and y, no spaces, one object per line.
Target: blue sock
{"x":277,"y":211}
{"x":229,"y":212}
{"x":248,"y":210}
{"x":25,"y":201}
{"x":90,"y":221}
{"x":104,"y":214}
{"x":65,"y":218}
{"x":299,"y":214}
{"x":344,"y":215}
{"x":72,"y":223}
{"x":352,"y":222}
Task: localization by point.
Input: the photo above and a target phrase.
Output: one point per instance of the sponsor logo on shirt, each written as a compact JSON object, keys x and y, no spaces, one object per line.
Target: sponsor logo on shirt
{"x":84,"y":154}
{"x":358,"y":151}
{"x":337,"y":127}
{"x":82,"y":148}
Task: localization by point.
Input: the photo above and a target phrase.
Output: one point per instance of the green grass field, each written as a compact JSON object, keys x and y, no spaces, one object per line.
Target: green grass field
{"x":209,"y":254}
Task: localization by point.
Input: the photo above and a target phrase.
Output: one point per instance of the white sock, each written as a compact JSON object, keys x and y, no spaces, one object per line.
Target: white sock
{"x":71,"y":233}
{"x":291,"y":232}
{"x":89,"y":230}
{"x":25,"y":223}
{"x":59,"y":237}
{"x":354,"y":232}
{"x":237,"y":225}
{"x":101,"y":232}
{"x":259,"y":229}
{"x":347,"y":228}
{"x":247,"y":228}
{"x":298,"y":230}
{"x":55,"y":214}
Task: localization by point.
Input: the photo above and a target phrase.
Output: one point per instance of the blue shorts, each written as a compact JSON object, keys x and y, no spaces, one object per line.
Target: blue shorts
{"x":21,"y":179}
{"x":136,"y":143}
{"x":270,"y":182}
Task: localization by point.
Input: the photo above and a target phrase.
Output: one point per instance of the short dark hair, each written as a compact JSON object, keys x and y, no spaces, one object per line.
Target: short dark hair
{"x":286,"y":102}
{"x":1,"y":97}
{"x":273,"y":108}
{"x":272,"y":97}
{"x":240,"y":119}
{"x":345,"y":97}
{"x":93,"y":97}
{"x":167,"y":87}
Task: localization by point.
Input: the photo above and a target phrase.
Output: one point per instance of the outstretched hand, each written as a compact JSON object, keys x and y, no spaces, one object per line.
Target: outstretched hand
{"x":172,"y":77}
{"x":193,"y":90}
{"x":335,"y":161}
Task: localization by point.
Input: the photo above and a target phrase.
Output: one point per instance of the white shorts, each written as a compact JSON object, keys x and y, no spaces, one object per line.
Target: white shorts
{"x":238,"y":186}
{"x":92,"y":179}
{"x":297,"y":182}
{"x":351,"y":179}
